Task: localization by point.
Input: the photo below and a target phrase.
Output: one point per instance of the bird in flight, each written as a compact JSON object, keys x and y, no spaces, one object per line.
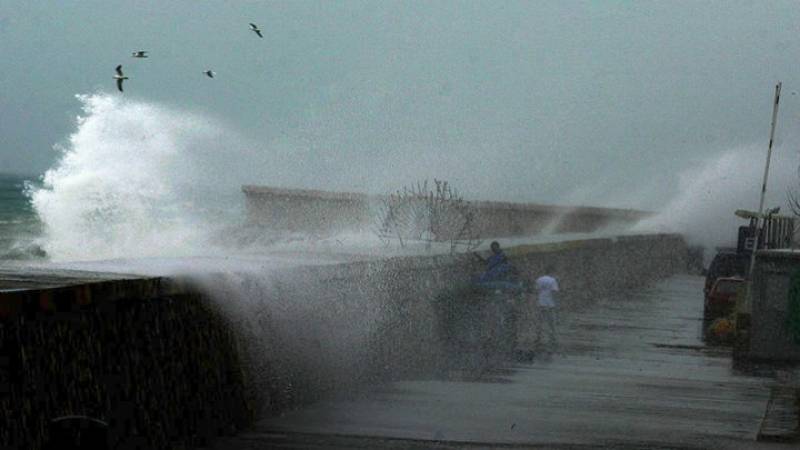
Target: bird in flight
{"x":120,"y":77}
{"x":140,"y":54}
{"x":254,"y":27}
{"x":209,"y":73}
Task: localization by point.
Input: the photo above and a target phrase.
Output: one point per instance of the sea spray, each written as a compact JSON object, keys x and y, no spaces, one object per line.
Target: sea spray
{"x":710,"y":192}
{"x":302,"y":331}
{"x":139,"y":179}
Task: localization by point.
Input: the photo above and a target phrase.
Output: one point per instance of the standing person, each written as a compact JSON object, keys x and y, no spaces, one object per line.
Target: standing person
{"x":497,"y":266}
{"x":546,"y":288}
{"x":498,"y":312}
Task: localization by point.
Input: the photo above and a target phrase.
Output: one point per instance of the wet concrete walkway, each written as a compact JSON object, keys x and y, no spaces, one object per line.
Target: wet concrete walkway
{"x":631,"y":372}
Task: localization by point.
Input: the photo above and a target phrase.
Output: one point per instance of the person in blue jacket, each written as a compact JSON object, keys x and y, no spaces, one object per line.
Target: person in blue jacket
{"x":497,"y":266}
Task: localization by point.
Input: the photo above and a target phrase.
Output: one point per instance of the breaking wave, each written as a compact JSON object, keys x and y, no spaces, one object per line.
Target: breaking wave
{"x":138,"y":179}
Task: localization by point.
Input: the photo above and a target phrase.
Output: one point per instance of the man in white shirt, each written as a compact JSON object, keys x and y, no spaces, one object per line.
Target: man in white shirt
{"x":546,"y":288}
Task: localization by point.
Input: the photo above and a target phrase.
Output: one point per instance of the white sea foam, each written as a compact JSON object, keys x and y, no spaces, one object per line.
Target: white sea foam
{"x":140,"y":180}
{"x":137,"y":179}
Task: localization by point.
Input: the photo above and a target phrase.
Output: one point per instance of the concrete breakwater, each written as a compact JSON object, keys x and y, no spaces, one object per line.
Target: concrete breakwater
{"x":172,"y":362}
{"x":326,"y":212}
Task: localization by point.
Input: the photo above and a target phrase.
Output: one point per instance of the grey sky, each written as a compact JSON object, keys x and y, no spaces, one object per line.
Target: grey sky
{"x":544,"y":101}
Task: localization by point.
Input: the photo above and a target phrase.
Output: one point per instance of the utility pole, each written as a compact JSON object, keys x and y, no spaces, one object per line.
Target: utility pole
{"x":760,"y":215}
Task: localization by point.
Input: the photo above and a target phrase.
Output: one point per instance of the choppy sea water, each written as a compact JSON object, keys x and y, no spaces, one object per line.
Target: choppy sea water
{"x":20,"y":227}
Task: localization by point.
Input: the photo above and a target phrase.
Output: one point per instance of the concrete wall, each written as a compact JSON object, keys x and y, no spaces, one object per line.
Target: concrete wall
{"x":318,"y":212}
{"x":769,"y":338}
{"x":311,"y":330}
{"x":323,"y":213}
{"x":160,"y":369}
{"x":206,"y":355}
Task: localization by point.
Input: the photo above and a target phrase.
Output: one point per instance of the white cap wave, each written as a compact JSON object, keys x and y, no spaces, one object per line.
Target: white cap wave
{"x":135,"y":180}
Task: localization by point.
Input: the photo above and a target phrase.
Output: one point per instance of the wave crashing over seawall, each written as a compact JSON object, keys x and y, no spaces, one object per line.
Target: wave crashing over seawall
{"x":137,"y":180}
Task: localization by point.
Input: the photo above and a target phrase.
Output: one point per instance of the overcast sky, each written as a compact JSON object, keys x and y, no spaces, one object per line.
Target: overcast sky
{"x":581,"y":102}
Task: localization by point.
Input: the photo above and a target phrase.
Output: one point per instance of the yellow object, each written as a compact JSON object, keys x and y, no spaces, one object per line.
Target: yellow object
{"x":721,"y":328}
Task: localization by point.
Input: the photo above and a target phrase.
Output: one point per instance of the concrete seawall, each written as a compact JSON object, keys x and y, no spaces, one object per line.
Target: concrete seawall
{"x":156,"y":366}
{"x":324,"y":212}
{"x":169,"y":363}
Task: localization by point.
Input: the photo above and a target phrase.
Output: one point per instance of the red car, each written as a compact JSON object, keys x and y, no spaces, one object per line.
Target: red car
{"x":721,"y":298}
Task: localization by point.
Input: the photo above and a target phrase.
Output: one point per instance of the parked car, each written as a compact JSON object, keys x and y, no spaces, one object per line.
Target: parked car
{"x":721,"y":298}
{"x":726,"y":264}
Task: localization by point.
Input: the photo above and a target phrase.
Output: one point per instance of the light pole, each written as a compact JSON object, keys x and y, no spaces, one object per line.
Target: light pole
{"x":760,"y":215}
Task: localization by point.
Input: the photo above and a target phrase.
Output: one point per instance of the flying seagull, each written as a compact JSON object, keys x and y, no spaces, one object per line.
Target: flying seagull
{"x":254,"y":27}
{"x":120,"y":77}
{"x":209,"y":73}
{"x":140,"y":54}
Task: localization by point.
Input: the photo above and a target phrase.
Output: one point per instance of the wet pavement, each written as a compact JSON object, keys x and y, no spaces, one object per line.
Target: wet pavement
{"x":631,"y":372}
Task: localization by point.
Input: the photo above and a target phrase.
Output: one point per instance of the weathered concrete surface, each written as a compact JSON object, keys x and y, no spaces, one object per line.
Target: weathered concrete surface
{"x":47,"y":289}
{"x":326,"y":212}
{"x":769,"y":333}
{"x":632,"y":372}
{"x":15,"y":278}
{"x":119,"y":349}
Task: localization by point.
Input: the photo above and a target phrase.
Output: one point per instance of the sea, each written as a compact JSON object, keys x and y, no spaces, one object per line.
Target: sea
{"x":20,"y":227}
